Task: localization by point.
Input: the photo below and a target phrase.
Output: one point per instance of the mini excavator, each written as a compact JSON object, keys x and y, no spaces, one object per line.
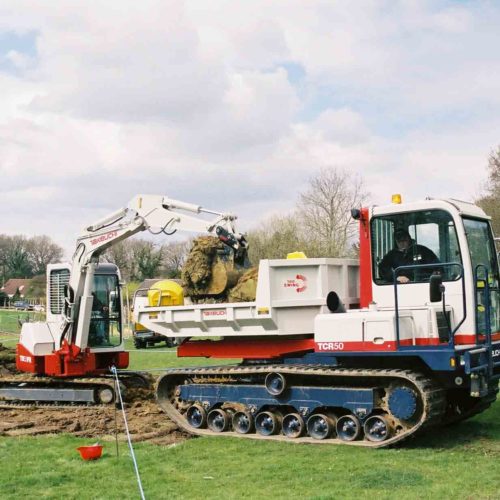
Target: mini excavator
{"x":71,"y":353}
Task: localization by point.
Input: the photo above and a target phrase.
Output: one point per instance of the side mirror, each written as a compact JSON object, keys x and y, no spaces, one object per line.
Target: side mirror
{"x":436,"y":288}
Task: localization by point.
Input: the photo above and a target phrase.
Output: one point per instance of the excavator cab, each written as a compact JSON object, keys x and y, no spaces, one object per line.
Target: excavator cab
{"x":105,"y":327}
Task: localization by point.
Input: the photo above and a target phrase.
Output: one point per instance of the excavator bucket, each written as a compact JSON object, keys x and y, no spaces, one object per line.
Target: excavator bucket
{"x":210,"y":269}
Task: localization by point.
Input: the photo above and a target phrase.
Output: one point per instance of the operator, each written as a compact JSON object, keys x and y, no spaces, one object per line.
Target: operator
{"x":406,"y":253}
{"x":99,"y":323}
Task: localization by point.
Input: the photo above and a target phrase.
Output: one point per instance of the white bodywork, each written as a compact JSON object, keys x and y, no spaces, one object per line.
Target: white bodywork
{"x":290,"y":295}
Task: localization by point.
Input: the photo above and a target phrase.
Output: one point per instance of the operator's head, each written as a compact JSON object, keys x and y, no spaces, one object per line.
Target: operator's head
{"x":403,"y":239}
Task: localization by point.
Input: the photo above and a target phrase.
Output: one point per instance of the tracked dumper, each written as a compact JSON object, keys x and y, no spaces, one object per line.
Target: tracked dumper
{"x":341,"y":351}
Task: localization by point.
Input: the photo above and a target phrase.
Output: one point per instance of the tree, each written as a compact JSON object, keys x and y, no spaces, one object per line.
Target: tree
{"x":146,"y":259}
{"x":41,"y":252}
{"x":120,"y":255}
{"x":324,"y":210}
{"x":4,"y":246}
{"x":17,"y":259}
{"x":490,"y":200}
{"x":320,"y":226}
{"x":275,"y":238}
{"x":174,"y":255}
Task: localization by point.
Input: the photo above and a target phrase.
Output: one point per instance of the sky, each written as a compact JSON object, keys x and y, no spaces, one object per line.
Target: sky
{"x":234,"y":105}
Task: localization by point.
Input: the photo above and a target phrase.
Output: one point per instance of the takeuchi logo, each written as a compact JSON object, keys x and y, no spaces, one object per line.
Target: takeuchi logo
{"x":104,"y":237}
{"x":299,"y":283}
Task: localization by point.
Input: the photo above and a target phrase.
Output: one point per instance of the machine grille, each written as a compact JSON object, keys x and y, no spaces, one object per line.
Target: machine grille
{"x":58,"y":279}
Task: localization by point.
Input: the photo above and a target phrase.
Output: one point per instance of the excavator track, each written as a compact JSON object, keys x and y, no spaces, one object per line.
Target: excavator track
{"x":28,"y":391}
{"x":427,"y":397}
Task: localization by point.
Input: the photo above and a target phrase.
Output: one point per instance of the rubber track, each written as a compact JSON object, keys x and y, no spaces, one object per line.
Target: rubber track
{"x":482,"y":405}
{"x":433,"y":397}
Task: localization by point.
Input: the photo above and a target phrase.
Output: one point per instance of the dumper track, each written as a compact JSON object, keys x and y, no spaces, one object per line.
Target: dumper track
{"x":431,"y":397}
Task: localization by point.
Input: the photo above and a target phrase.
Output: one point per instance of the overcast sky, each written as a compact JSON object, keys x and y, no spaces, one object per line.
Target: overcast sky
{"x":233,"y":105}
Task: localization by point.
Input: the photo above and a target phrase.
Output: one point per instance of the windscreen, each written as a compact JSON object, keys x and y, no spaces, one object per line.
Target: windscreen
{"x":414,"y":239}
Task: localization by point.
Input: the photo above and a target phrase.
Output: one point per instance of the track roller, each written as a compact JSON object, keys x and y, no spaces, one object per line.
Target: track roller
{"x":243,"y":422}
{"x":377,"y":428}
{"x":321,"y":426}
{"x":218,"y":420}
{"x":293,"y":425}
{"x":196,"y":416}
{"x":267,"y":423}
{"x":275,"y":383}
{"x":348,"y":428}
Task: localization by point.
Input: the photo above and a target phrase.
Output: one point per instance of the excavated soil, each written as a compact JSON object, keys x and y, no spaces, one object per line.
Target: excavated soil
{"x":197,"y":270}
{"x":145,"y":419}
{"x":246,"y":288}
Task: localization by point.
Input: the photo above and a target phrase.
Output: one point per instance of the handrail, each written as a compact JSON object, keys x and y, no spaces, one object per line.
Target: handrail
{"x":147,"y":290}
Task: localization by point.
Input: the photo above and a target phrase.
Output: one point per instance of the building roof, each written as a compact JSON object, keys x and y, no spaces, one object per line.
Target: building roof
{"x":15,"y":284}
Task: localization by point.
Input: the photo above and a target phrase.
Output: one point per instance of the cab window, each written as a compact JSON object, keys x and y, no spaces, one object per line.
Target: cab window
{"x":430,"y":237}
{"x":105,"y":322}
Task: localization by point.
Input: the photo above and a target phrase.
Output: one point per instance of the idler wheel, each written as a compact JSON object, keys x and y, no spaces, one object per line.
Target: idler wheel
{"x":218,"y":420}
{"x":275,"y":383}
{"x":348,"y":428}
{"x":377,"y":428}
{"x":196,"y":416}
{"x":243,"y":422}
{"x":293,"y":425}
{"x":320,"y":426}
{"x":267,"y":423}
{"x":105,"y":395}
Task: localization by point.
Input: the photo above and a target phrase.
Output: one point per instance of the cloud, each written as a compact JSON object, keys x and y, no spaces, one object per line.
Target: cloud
{"x":234,"y":105}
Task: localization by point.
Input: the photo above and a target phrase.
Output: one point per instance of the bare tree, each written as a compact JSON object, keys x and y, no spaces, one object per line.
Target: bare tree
{"x":490,"y":200}
{"x":324,"y":210}
{"x":275,"y":238}
{"x":174,"y":255}
{"x":120,"y":255}
{"x":42,"y":251}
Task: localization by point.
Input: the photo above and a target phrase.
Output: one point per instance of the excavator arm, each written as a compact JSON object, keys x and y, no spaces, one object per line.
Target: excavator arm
{"x":154,"y":213}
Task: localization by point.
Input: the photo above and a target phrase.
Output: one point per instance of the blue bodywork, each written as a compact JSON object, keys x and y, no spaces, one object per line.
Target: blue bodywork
{"x":306,"y":399}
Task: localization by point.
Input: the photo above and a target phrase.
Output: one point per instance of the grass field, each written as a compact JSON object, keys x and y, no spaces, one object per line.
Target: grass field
{"x":9,"y":319}
{"x":457,"y":462}
{"x":454,"y":462}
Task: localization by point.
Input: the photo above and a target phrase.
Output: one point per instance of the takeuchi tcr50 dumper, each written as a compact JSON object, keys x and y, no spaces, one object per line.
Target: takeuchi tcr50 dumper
{"x":334,"y":350}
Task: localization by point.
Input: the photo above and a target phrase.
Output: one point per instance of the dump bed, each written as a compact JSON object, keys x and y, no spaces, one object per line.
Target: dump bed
{"x":290,"y":293}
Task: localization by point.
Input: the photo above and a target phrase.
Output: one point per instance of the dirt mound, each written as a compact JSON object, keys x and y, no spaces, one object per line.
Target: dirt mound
{"x":197,"y":271}
{"x":246,"y":288}
{"x":145,"y":419}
